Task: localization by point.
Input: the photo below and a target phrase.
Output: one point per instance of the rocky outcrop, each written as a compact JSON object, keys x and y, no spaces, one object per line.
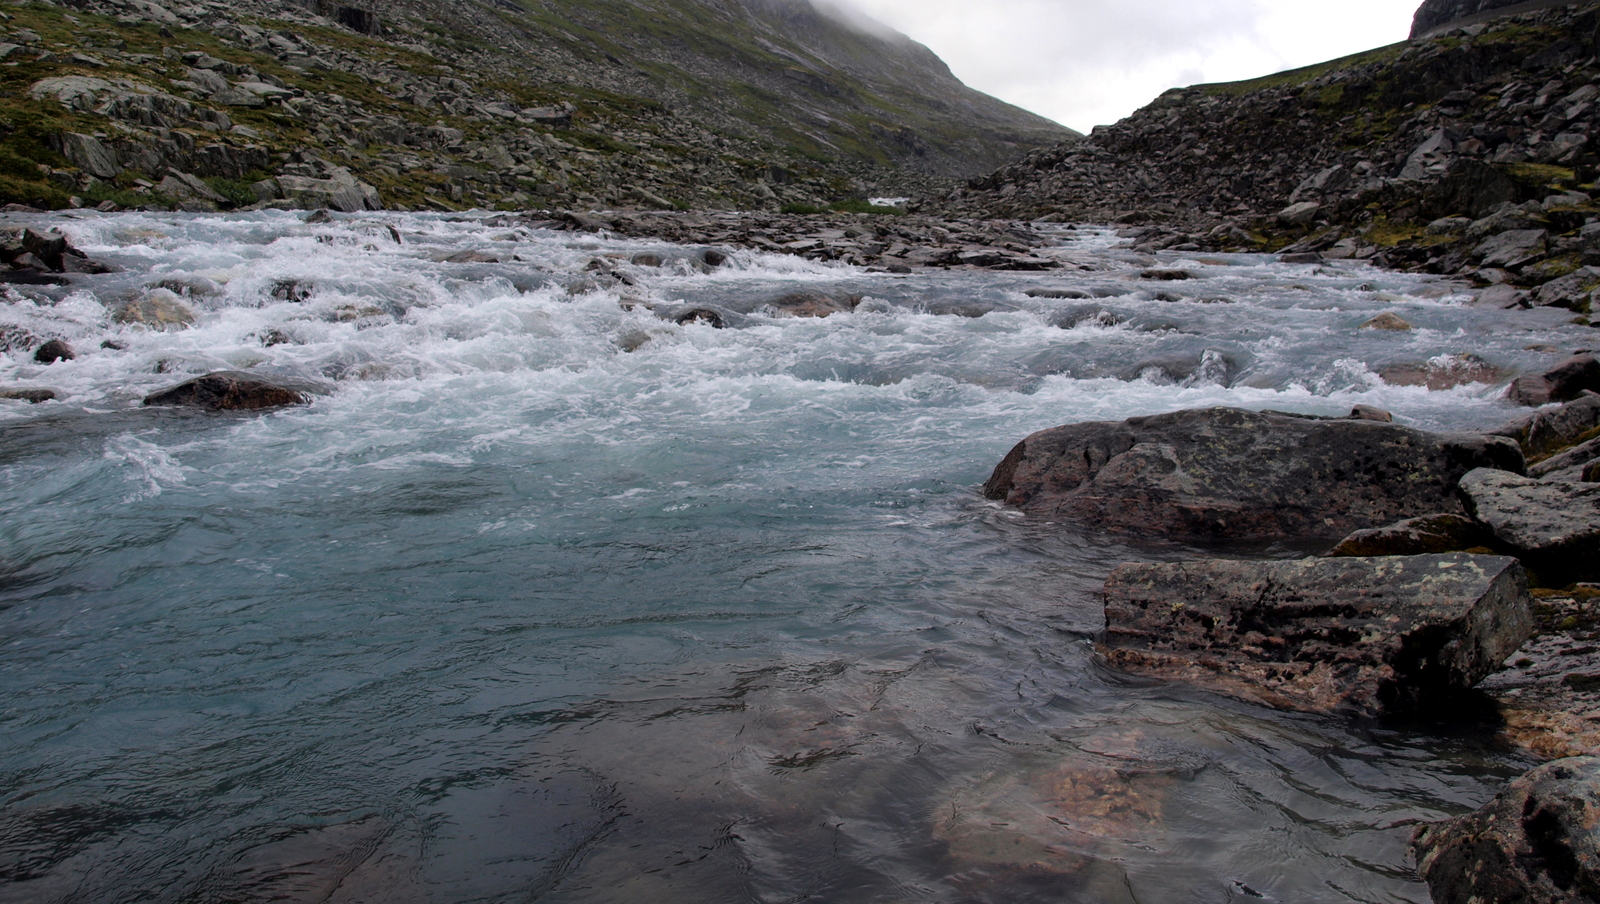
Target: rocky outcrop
{"x":1537,"y":842}
{"x":1553,"y":525}
{"x":1366,"y":636}
{"x":1435,"y":14}
{"x":1231,"y":473}
{"x":229,"y":391}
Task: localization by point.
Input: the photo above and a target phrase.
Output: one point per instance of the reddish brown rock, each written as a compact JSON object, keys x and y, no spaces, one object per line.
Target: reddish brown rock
{"x":1416,"y":537}
{"x":1564,"y":382}
{"x":228,"y":391}
{"x":1364,"y":635}
{"x":1538,"y":842}
{"x":1231,"y":473}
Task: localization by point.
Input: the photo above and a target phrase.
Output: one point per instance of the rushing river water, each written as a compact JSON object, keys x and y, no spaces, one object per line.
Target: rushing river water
{"x":547,"y":597}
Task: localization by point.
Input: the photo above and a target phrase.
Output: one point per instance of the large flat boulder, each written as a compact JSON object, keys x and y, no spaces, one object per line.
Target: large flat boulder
{"x":1231,"y":473}
{"x":1538,"y":842}
{"x":1369,"y":636}
{"x":1552,"y":524}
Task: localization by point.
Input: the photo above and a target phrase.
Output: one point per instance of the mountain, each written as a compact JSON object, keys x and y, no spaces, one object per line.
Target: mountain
{"x":1468,"y":152}
{"x":510,"y":103}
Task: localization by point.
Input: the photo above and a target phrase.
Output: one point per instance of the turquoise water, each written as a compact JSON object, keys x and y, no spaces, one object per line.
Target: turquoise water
{"x":511,"y":612}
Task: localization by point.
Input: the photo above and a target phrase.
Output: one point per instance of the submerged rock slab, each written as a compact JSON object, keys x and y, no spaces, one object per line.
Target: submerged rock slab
{"x":229,"y":391}
{"x":1231,"y":473}
{"x":1364,"y":635}
{"x":1538,"y":842}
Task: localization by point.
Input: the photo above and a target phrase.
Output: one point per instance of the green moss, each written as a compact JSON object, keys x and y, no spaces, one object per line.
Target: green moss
{"x":1541,"y":175}
{"x":1385,"y":234}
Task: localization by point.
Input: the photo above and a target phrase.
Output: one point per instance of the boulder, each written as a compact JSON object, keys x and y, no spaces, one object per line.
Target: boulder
{"x":31,"y":395}
{"x":1553,"y":429}
{"x":1537,"y":842}
{"x":1554,"y":525}
{"x":813,"y":304}
{"x":1416,"y":537}
{"x":1369,"y":636}
{"x":53,"y":351}
{"x":159,"y":310}
{"x":1301,"y":214}
{"x":1512,"y":249}
{"x":88,"y":154}
{"x":1232,"y":473}
{"x":229,"y":391}
{"x":1567,"y":460}
{"x":1388,"y":320}
{"x":1565,"y":381}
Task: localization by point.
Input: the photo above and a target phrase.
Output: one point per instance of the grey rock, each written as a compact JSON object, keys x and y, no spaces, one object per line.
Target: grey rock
{"x":1301,"y":214}
{"x":1548,"y":431}
{"x":1574,"y":457}
{"x":1535,"y":843}
{"x":1369,"y":636}
{"x":1513,"y":248}
{"x":1415,"y":537}
{"x":1554,"y":525}
{"x":1232,"y":473}
{"x":88,"y":154}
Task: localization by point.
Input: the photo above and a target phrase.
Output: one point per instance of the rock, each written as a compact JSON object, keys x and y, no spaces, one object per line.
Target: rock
{"x":1370,"y":413}
{"x":1415,"y":537}
{"x":1553,"y":525}
{"x":1553,"y":429}
{"x":159,"y":310}
{"x":1388,"y":320}
{"x":1370,"y":636}
{"x":1591,"y":472}
{"x":812,"y":304}
{"x":1442,"y":372}
{"x":1564,"y":382}
{"x":1301,"y":214}
{"x":1231,"y":473}
{"x":187,"y":186}
{"x":1166,"y":275}
{"x":342,"y":192}
{"x":646,"y":259}
{"x":1504,"y":296}
{"x":88,"y":154}
{"x":713,"y":258}
{"x":1575,"y":457}
{"x":1535,"y":843}
{"x":471,"y":257}
{"x":32,"y":396}
{"x":1512,"y":249}
{"x":702,"y":315}
{"x":228,"y":391}
{"x":53,"y":351}
{"x":1301,"y":257}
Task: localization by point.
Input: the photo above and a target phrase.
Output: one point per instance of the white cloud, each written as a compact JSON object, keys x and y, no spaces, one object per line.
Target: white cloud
{"x":1088,"y":62}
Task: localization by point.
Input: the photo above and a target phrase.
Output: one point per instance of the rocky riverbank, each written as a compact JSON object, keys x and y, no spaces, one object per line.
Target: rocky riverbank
{"x":1397,"y":618}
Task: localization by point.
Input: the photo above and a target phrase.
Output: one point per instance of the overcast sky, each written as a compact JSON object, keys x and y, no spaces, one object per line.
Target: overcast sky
{"x":1088,"y":62}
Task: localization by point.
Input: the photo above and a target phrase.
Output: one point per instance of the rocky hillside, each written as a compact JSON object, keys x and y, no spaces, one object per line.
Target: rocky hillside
{"x":1471,"y":152}
{"x":425,"y":103}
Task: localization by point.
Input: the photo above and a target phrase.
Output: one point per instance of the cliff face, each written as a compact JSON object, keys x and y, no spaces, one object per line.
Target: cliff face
{"x":418,"y":103}
{"x":1434,"y":13}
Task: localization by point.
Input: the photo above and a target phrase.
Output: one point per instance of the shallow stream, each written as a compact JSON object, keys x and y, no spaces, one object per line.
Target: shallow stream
{"x":548,"y":597}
